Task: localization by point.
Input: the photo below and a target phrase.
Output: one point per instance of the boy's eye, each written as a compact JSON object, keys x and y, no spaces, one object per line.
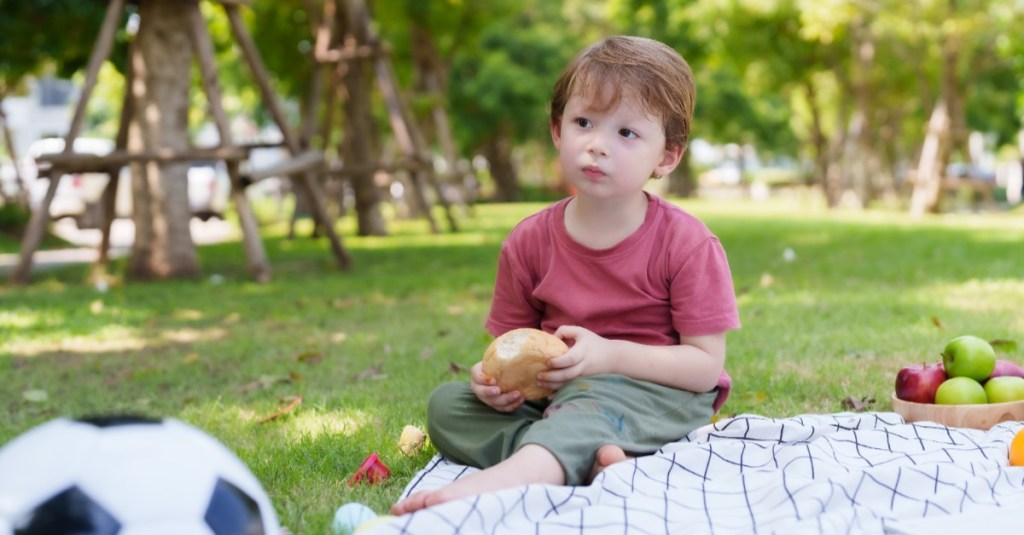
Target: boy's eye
{"x":627,"y":133}
{"x":582,"y":122}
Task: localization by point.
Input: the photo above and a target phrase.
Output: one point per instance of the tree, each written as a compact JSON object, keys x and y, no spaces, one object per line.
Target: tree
{"x":964,"y":38}
{"x":500,"y":96}
{"x":492,"y":63}
{"x":161,"y":59}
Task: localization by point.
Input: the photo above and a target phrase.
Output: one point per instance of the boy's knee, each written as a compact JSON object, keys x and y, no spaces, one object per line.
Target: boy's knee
{"x":445,"y":394}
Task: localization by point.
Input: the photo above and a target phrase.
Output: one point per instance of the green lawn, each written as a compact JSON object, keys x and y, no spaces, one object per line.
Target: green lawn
{"x":865,"y":295}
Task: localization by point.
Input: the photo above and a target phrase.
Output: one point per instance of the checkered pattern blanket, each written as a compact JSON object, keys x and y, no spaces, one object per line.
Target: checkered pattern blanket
{"x":815,"y":474}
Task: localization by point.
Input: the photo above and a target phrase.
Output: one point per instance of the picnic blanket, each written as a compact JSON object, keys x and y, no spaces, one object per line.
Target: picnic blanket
{"x":820,"y":474}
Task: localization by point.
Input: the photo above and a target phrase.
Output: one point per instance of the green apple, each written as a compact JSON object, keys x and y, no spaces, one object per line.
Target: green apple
{"x":969,"y":356}
{"x":1003,"y":389}
{"x":960,"y":391}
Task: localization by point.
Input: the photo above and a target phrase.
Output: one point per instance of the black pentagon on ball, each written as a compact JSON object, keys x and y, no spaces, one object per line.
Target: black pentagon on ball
{"x":233,"y":512}
{"x":114,"y":420}
{"x":70,"y":511}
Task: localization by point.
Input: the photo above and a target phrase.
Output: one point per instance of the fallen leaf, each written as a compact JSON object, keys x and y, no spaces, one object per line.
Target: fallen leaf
{"x":191,"y":358}
{"x":373,"y":372}
{"x":766,"y":280}
{"x":35,"y":396}
{"x":454,"y":310}
{"x":938,"y":323}
{"x":857,"y":405}
{"x":96,"y":306}
{"x":427,"y":353}
{"x":441,"y":333}
{"x":456,"y":369}
{"x":1006,"y":346}
{"x":290,"y":404}
{"x":412,"y":440}
{"x":310,"y":357}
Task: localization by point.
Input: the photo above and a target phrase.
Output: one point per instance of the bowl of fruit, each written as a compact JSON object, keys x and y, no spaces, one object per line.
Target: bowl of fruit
{"x":969,"y":387}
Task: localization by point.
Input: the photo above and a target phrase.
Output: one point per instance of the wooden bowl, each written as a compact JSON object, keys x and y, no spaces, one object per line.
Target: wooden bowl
{"x":980,"y":416}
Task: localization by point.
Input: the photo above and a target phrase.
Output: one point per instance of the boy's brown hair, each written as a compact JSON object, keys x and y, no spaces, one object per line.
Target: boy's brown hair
{"x":634,"y":67}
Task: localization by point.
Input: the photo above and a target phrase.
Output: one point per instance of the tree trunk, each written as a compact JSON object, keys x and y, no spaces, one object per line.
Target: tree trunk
{"x":940,"y":139}
{"x":820,"y":143}
{"x":431,"y":74}
{"x":927,"y":194}
{"x":859,"y":162}
{"x":499,"y":158}
{"x":360,"y":147}
{"x":163,"y":247}
{"x":681,"y":183}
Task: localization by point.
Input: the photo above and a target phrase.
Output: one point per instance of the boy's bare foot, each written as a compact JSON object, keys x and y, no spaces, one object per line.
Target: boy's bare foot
{"x":606,"y":456}
{"x":531,"y":464}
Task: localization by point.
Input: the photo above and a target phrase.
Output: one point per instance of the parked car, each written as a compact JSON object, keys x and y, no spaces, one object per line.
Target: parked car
{"x":78,"y":195}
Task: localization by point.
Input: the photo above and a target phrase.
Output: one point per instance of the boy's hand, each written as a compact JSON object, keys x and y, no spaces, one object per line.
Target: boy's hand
{"x":587,"y":355}
{"x":487,"y":390}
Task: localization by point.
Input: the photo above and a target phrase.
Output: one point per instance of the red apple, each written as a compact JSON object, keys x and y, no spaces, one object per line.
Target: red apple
{"x":1007,"y":367}
{"x":918,"y":382}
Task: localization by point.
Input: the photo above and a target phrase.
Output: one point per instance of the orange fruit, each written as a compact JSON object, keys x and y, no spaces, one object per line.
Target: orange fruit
{"x":1017,"y":449}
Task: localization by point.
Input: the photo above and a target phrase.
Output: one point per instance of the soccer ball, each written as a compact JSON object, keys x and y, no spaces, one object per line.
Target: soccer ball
{"x":127,"y":475}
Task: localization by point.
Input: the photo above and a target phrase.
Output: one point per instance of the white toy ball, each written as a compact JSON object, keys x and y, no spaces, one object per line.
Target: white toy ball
{"x":127,"y":475}
{"x":350,"y":516}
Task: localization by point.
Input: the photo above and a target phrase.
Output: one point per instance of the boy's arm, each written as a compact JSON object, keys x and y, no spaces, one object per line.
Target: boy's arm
{"x":695,"y":364}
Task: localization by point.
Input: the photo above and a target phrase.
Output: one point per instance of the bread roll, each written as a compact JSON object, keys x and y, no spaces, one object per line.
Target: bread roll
{"x":515,"y":358}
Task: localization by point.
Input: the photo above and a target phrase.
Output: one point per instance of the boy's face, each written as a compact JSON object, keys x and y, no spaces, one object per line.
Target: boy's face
{"x":611,"y":153}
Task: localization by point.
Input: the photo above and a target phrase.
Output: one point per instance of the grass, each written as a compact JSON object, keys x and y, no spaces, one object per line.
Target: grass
{"x":866,"y":294}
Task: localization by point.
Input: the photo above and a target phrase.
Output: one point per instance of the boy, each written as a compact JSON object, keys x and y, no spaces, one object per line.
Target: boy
{"x":639,"y":289}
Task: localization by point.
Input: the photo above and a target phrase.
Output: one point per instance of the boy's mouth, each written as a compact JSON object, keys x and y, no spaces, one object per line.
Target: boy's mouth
{"x":593,"y":171}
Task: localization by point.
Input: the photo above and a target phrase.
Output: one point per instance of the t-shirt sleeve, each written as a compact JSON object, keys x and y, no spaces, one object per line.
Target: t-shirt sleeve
{"x":513,"y":305}
{"x":703,"y":299}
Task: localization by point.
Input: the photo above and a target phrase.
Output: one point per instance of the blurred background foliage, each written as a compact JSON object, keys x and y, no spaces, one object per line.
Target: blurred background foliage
{"x":813,"y":83}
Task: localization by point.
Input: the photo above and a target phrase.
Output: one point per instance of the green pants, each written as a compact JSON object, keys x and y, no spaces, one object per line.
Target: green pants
{"x":587,"y":413}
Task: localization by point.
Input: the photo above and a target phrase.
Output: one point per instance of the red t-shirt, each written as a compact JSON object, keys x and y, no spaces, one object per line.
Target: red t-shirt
{"x":670,"y":277}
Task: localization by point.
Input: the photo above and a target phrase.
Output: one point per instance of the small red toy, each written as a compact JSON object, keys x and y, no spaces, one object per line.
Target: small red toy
{"x":372,"y":470}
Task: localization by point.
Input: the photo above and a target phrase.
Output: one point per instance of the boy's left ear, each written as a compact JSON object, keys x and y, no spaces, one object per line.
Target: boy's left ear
{"x":670,"y":160}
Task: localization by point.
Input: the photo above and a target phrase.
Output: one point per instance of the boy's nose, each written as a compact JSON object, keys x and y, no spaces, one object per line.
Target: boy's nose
{"x":596,"y":146}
